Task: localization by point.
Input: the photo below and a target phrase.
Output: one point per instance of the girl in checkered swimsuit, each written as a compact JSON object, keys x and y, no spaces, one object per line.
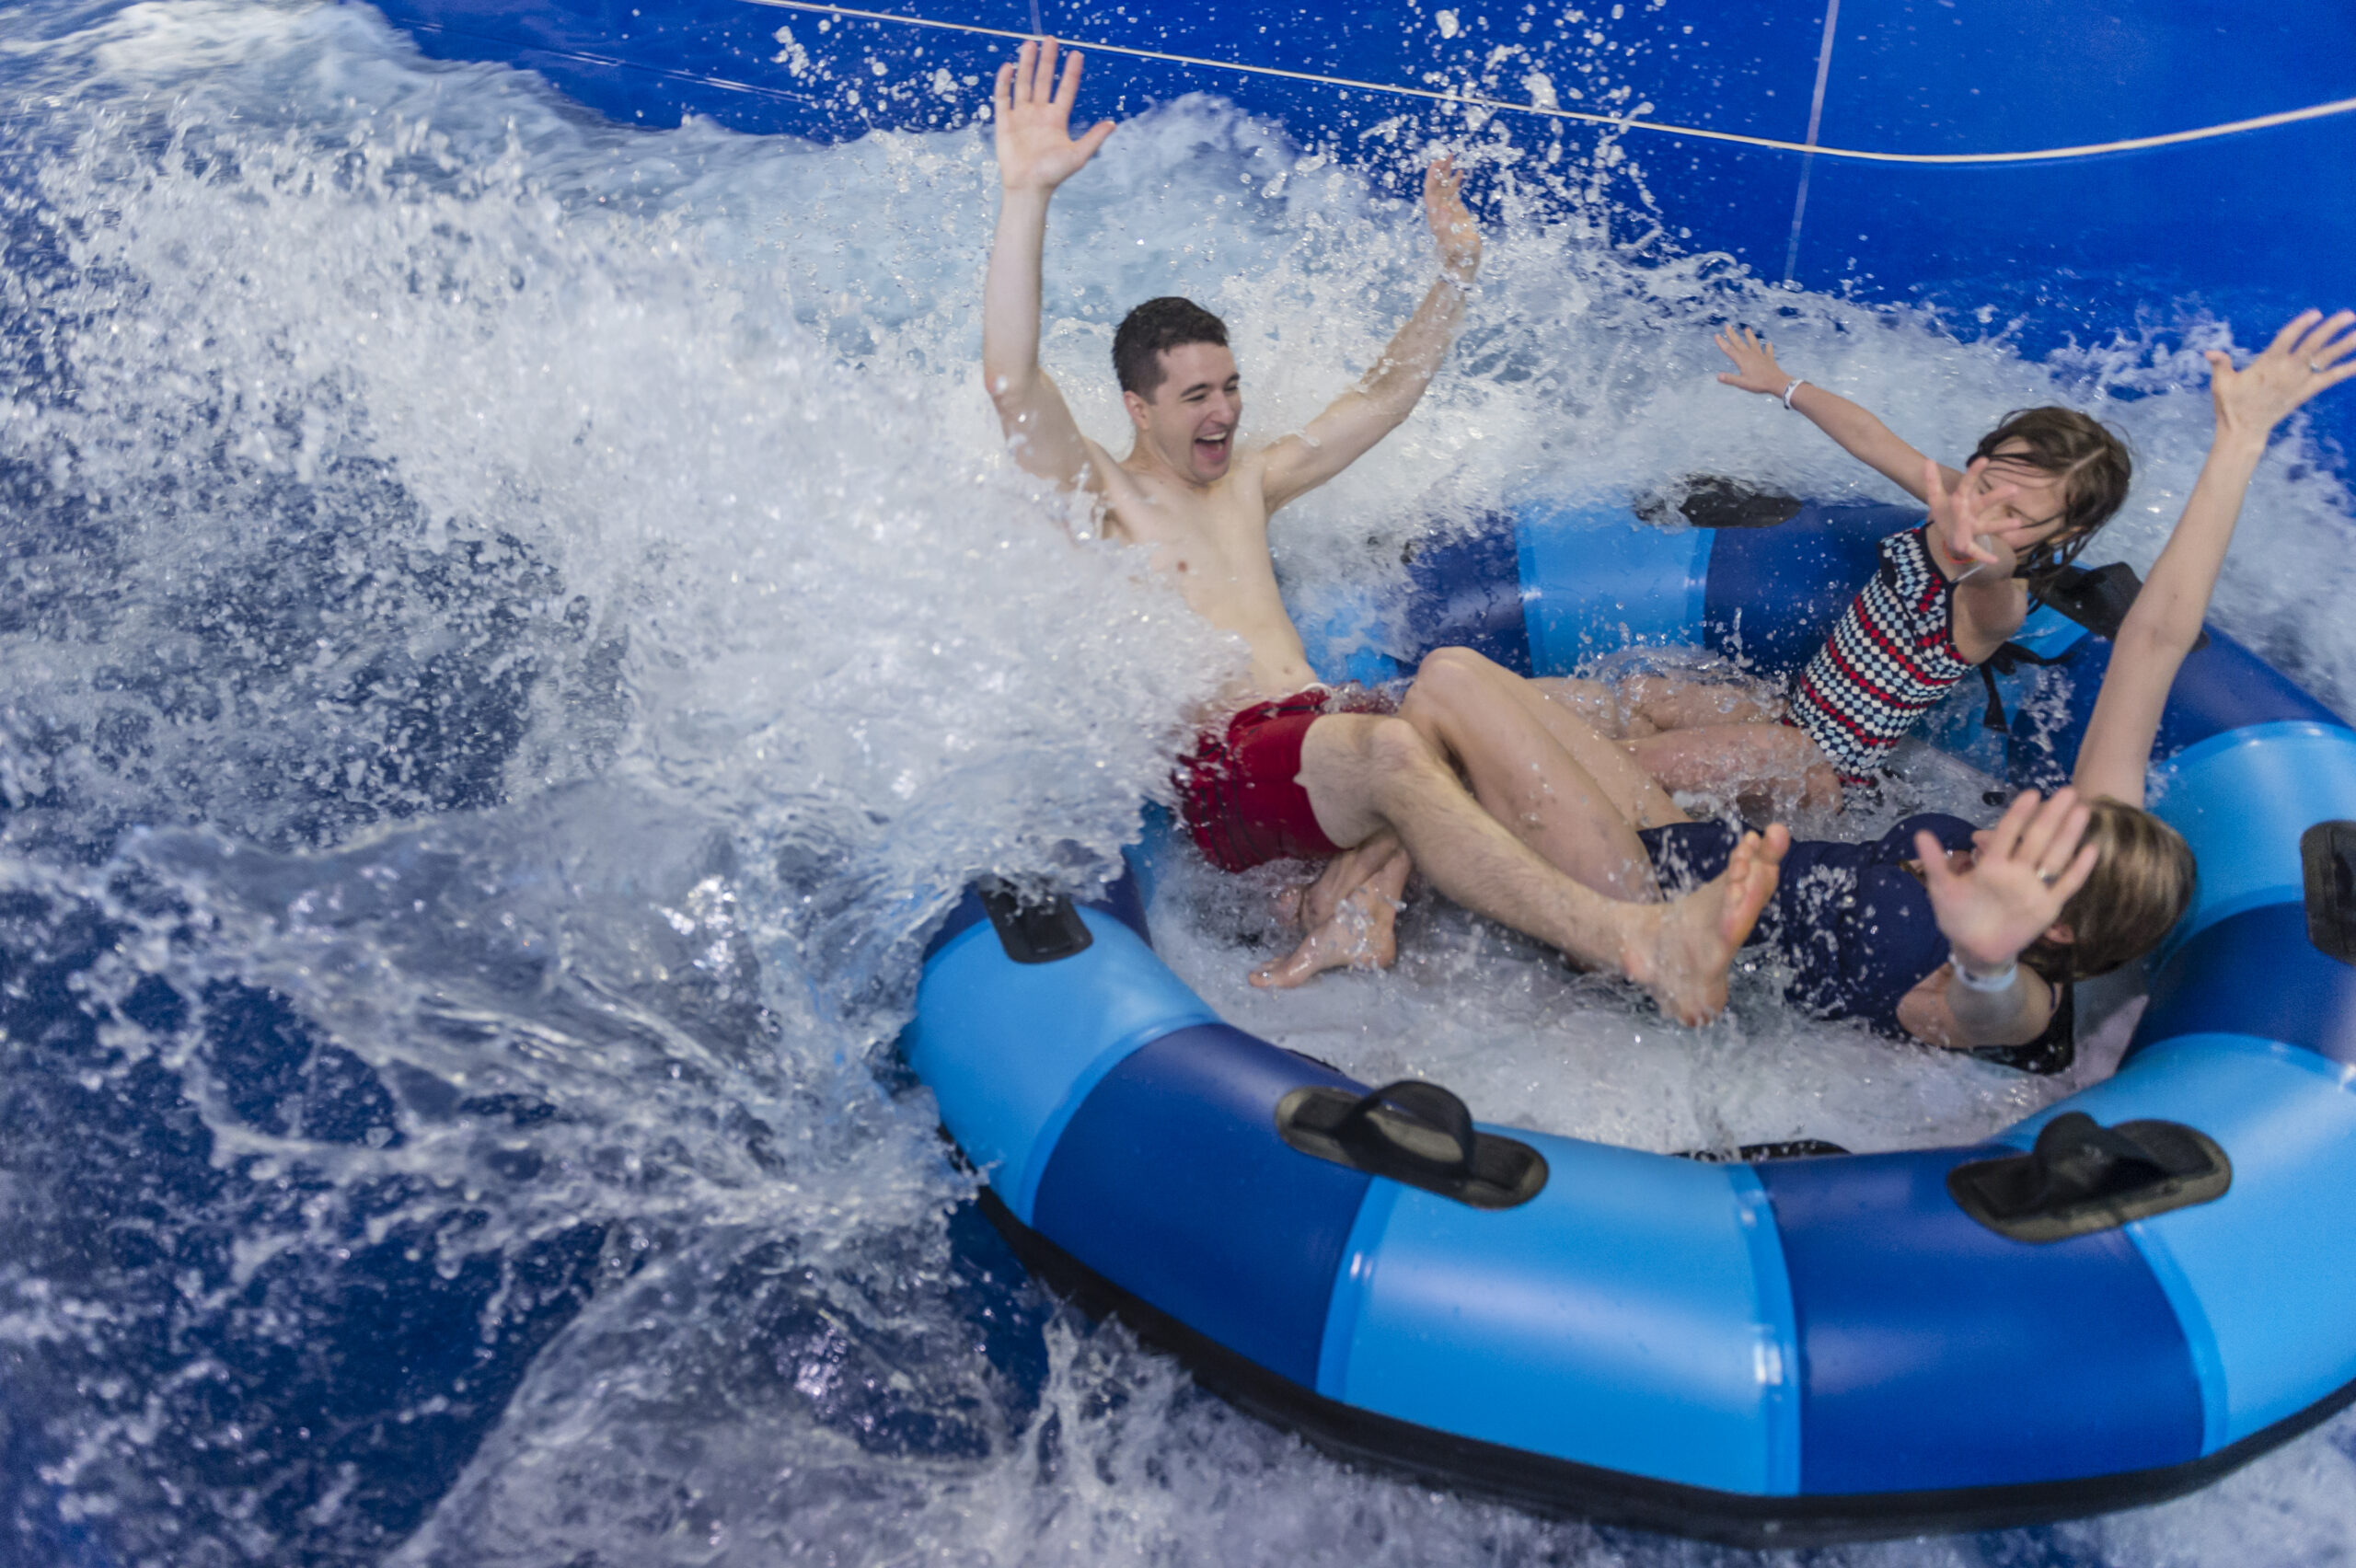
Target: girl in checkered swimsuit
{"x":1891,"y":659}
{"x":1946,"y":596}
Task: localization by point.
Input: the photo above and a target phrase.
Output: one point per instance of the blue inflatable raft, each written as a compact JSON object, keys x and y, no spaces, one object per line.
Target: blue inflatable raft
{"x":2113,"y":1302}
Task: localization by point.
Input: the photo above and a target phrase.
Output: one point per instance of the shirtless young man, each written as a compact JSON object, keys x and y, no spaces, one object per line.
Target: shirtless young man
{"x":1275,"y":773}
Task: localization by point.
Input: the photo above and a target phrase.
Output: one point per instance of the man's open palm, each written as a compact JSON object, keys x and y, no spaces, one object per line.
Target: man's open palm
{"x":1035,"y":149}
{"x":1453,"y":226}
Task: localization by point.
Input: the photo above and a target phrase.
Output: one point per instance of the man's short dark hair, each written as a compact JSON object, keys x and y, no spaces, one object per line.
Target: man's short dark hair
{"x":1153,"y":328}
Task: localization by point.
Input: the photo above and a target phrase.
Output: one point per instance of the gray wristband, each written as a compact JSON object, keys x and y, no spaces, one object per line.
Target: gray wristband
{"x":1797,"y":384}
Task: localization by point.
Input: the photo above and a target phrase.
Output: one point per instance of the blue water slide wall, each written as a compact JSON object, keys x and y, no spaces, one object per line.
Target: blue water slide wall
{"x":1764,"y":131}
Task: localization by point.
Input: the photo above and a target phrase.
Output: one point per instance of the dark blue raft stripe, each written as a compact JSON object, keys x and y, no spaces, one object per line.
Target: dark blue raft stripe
{"x":1466,"y":591}
{"x":1772,"y":593}
{"x":2222,"y":686}
{"x":1935,"y":1354}
{"x":2225,"y":687}
{"x":1172,"y":1182}
{"x":2281,"y":987}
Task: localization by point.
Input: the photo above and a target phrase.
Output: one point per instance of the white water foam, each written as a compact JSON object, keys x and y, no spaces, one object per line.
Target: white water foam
{"x":547,"y":603}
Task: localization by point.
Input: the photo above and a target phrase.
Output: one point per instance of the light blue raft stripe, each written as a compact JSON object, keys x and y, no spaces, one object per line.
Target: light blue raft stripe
{"x":1779,"y":1332}
{"x":1576,"y":559}
{"x":2242,"y":800}
{"x":2200,"y":1334}
{"x":1350,"y":1285}
{"x":1028,"y":1041}
{"x":2266,"y":1343}
{"x":1634,"y":1316}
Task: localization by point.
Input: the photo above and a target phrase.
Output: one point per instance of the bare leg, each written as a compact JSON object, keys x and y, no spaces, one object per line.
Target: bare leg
{"x":1321,"y":899}
{"x":1364,"y":773}
{"x":1720,"y":738}
{"x":1679,"y":702}
{"x":1775,"y":765}
{"x":1532,"y":764}
{"x":1570,"y":795}
{"x":1594,"y":701}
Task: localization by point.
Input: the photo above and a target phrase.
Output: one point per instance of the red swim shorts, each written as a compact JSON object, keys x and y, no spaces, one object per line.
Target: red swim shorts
{"x":1240,"y":789}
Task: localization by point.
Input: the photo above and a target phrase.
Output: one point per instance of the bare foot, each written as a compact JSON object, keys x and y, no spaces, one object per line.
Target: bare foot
{"x":1682,"y":958}
{"x":1349,"y":911}
{"x":1370,"y":862}
{"x":1358,"y":935}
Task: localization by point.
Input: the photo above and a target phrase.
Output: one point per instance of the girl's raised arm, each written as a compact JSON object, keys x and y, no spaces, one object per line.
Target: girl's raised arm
{"x":2307,"y":356}
{"x":1857,"y":430}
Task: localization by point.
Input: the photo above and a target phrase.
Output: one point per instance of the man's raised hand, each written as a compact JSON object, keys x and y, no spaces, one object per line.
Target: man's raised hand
{"x":1453,"y":225}
{"x":1035,"y":147}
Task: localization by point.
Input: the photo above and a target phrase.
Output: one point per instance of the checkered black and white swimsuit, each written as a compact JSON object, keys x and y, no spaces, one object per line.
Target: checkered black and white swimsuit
{"x":1891,"y":657}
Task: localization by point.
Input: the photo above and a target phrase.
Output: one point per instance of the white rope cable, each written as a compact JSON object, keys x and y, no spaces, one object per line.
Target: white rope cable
{"x":1623,"y":122}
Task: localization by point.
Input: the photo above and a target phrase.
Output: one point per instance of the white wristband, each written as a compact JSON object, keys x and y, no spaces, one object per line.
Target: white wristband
{"x":2000,"y":980}
{"x":1797,"y":384}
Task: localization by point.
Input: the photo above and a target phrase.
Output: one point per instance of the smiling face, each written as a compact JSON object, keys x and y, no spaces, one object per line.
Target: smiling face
{"x":1189,"y":422}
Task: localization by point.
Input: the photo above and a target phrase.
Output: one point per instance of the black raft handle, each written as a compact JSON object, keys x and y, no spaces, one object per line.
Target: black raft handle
{"x":1038,"y":931}
{"x":1413,"y":1132}
{"x":1426,"y":1133}
{"x":2082,"y":1177}
{"x":2328,"y":861}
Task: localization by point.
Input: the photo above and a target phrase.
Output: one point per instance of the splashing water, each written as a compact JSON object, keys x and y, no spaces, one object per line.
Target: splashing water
{"x":514,"y":628}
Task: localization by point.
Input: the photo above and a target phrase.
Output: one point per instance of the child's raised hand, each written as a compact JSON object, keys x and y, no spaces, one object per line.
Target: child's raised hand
{"x":2311,"y":352}
{"x":1960,"y":514}
{"x":1755,"y":369}
{"x":2024,"y":870}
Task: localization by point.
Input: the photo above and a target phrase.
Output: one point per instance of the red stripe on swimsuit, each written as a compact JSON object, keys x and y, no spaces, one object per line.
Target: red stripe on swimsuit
{"x":1239,"y":788}
{"x":1892,"y":658}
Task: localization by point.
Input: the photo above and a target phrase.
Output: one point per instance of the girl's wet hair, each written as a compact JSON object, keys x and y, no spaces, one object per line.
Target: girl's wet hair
{"x":2093,"y":465}
{"x":2142,"y":885}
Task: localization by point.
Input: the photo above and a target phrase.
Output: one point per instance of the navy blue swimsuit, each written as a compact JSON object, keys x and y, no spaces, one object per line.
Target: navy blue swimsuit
{"x":1854,"y":924}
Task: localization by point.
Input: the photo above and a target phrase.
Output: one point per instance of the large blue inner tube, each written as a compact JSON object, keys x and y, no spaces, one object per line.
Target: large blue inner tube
{"x":1808,"y":1349}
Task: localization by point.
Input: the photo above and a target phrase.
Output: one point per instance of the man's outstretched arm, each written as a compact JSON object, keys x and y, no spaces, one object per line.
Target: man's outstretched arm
{"x":1372,"y":410}
{"x":1035,"y":153}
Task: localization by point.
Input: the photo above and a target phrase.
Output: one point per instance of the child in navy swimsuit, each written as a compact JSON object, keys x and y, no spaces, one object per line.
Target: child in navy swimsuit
{"x":1853,"y":923}
{"x":1855,"y":926}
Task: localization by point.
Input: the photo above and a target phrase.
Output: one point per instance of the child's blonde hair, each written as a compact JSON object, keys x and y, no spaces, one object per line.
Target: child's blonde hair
{"x":2142,"y":885}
